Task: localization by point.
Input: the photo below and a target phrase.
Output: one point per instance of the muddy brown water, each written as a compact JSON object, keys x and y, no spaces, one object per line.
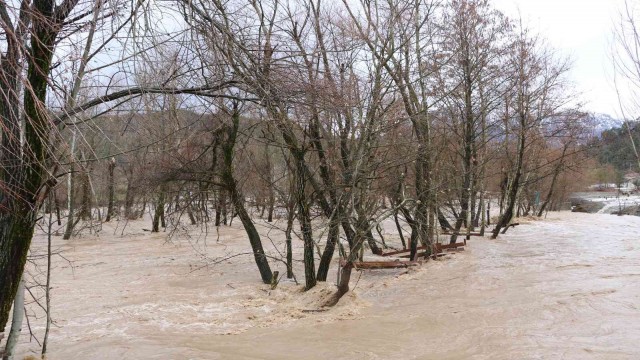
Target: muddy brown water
{"x":563,"y":288}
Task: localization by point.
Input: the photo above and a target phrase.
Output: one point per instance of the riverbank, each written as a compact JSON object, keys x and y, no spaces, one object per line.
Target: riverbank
{"x":606,"y":203}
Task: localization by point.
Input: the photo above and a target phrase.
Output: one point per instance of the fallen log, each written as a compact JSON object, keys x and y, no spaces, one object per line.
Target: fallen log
{"x":379,"y":264}
{"x":418,"y":255}
{"x":421,"y":253}
{"x":440,"y":247}
{"x":397,"y":252}
{"x":461,"y":233}
{"x":439,"y":250}
{"x":313,"y":310}
{"x":424,"y":255}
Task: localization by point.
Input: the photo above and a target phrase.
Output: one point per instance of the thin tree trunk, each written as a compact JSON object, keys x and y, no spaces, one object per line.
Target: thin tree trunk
{"x":305,"y":224}
{"x":514,"y":187}
{"x":343,"y":284}
{"x":379,"y":231}
{"x":86,"y":203}
{"x":192,"y":218}
{"x":71,"y":180}
{"x":238,"y":201}
{"x":444,"y":223}
{"x":112,"y":190}
{"x":556,"y":173}
{"x":47,"y":291}
{"x":144,"y":207}
{"x":484,"y":215}
{"x":57,"y":205}
{"x":218,"y":207}
{"x":363,"y":229}
{"x":327,"y":254}
{"x":271,"y":204}
{"x":13,"y":249}
{"x":16,"y":322}
{"x":159,"y":212}
{"x":85,"y":208}
{"x":397,"y":221}
{"x":223,"y":204}
{"x":413,"y":240}
{"x":129,"y":199}
{"x":290,"y":218}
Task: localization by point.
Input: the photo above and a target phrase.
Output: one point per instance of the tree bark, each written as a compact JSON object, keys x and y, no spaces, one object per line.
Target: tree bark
{"x":86,"y":201}
{"x":129,"y":199}
{"x":556,"y":173}
{"x":305,"y":224}
{"x":238,"y":200}
{"x":16,"y":323}
{"x":24,"y":184}
{"x":112,"y":189}
{"x":397,"y":221}
{"x":159,"y":212}
{"x":327,"y":254}
{"x":287,"y":233}
{"x":71,"y":181}
{"x":343,"y":284}
{"x":512,"y":195}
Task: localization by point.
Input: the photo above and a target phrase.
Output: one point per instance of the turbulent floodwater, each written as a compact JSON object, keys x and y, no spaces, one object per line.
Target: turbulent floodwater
{"x":562,"y":288}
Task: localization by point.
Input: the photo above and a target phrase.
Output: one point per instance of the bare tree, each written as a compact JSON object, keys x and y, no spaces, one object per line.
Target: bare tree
{"x":34,"y":33}
{"x":626,"y":63}
{"x":537,"y":95}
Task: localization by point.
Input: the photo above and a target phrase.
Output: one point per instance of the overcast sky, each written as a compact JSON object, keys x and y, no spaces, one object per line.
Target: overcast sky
{"x":580,"y":29}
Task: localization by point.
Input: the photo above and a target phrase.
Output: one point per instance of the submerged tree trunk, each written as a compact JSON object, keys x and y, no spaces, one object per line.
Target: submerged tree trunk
{"x":373,"y":245}
{"x":287,"y":233}
{"x":71,"y":183}
{"x":270,"y":183}
{"x":514,"y":186}
{"x":271,"y":206}
{"x":483,"y":214}
{"x":305,"y":224}
{"x":13,"y":255}
{"x":86,"y":200}
{"x":218,"y":208}
{"x":143,"y":208}
{"x":57,"y":206}
{"x":556,"y":173}
{"x":16,"y":322}
{"x":47,"y":288}
{"x":363,"y":229}
{"x":129,"y":199}
{"x":159,"y":212}
{"x":413,"y":239}
{"x":397,"y":221}
{"x":444,"y":223}
{"x":422,"y":230}
{"x":327,"y":254}
{"x":223,"y":207}
{"x":343,"y":284}
{"x":112,"y":190}
{"x":192,"y":217}
{"x":238,"y":200}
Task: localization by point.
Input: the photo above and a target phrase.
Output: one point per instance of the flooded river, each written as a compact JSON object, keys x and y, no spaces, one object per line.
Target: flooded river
{"x":563,"y":288}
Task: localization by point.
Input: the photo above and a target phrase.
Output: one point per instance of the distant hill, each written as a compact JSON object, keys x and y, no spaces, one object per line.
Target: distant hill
{"x":599,"y":123}
{"x":613,"y":146}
